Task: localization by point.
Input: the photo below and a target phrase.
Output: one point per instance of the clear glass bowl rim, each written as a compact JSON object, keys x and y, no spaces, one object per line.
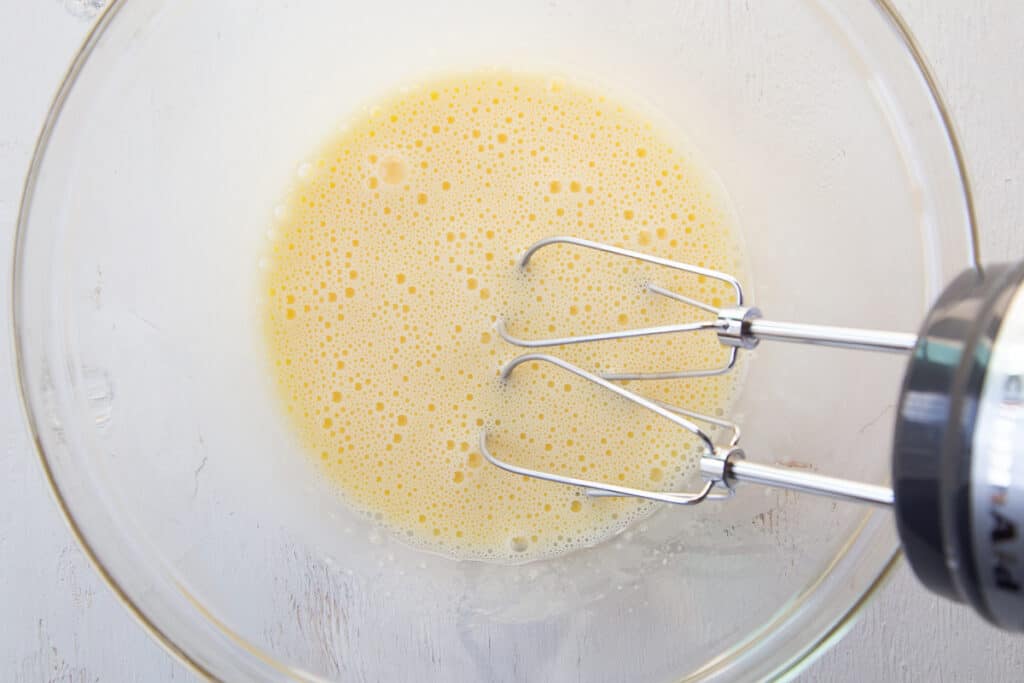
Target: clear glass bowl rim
{"x":787,"y":669}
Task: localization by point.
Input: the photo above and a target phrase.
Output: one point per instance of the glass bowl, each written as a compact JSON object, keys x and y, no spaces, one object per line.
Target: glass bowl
{"x":139,"y":348}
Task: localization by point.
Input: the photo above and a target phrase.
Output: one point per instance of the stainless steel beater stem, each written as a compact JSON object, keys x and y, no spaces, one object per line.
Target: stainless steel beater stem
{"x":839,"y":337}
{"x":732,"y":470}
{"x":743,"y":327}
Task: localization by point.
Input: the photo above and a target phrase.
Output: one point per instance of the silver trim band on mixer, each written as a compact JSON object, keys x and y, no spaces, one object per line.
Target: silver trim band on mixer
{"x":997,"y":475}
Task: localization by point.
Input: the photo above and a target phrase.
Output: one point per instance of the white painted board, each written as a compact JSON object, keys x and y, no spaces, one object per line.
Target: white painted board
{"x":58,"y":622}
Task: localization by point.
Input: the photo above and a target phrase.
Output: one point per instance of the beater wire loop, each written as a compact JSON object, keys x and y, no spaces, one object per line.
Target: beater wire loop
{"x":737,"y":327}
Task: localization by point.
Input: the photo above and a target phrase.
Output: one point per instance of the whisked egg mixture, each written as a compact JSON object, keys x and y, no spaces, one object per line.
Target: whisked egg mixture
{"x":392,"y":258}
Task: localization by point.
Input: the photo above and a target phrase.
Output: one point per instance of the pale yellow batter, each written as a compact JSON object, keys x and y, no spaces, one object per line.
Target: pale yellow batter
{"x":392,"y":259}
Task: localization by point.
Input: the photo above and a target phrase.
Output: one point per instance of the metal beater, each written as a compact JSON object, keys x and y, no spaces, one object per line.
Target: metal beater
{"x":958,"y":454}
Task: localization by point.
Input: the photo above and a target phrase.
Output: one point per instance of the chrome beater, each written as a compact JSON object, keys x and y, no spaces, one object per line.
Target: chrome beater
{"x":738,"y":327}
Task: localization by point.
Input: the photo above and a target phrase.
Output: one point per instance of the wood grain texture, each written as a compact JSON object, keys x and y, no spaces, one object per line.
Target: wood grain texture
{"x":60,"y":623}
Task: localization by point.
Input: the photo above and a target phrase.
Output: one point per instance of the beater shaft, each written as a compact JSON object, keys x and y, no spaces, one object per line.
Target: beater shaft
{"x":839,"y":337}
{"x":739,"y":470}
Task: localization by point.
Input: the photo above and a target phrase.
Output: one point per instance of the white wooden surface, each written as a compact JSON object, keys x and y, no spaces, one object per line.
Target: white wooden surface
{"x":58,"y":622}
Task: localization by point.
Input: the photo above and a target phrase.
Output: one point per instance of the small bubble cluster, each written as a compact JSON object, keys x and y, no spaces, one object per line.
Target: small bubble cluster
{"x":393,"y":257}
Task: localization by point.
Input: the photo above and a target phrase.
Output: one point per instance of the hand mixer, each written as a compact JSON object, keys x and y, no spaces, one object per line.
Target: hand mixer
{"x":958,"y":445}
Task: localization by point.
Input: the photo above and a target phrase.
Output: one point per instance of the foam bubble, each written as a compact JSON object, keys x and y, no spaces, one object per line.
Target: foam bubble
{"x":394,"y":259}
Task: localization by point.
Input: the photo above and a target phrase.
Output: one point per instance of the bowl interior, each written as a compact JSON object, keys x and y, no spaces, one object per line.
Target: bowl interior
{"x":139,"y":334}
